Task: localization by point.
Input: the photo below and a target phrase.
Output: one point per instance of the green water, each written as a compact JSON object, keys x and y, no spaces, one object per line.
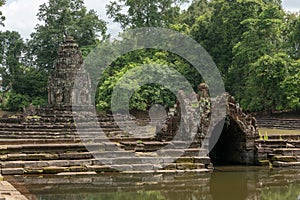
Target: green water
{"x":226,"y":183}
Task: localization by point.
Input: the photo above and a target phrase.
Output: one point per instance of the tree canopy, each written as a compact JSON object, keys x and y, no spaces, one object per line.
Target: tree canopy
{"x":254,"y":43}
{"x":58,"y":19}
{"x":144,"y":13}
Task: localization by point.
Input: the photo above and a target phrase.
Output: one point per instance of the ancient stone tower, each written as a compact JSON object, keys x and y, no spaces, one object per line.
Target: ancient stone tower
{"x":68,"y":65}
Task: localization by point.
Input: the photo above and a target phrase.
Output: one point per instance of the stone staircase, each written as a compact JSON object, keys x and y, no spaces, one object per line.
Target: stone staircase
{"x":279,"y":123}
{"x":279,"y":150}
{"x":49,"y":144}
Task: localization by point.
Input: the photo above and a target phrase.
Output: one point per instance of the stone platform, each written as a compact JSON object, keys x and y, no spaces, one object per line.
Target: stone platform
{"x":34,"y":145}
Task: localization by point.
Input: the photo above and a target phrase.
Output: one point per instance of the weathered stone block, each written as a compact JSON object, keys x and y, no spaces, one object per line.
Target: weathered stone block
{"x":185,"y":160}
{"x":13,"y":164}
{"x":170,"y":166}
{"x":264,"y":162}
{"x":127,"y":160}
{"x":110,"y":146}
{"x":122,"y":167}
{"x":42,"y":156}
{"x":34,"y":164}
{"x":54,"y":170}
{"x":13,"y":171}
{"x":77,"y":155}
{"x":99,"y":169}
{"x":148,"y":160}
{"x":16,"y":156}
{"x":171,"y":152}
{"x":142,"y":167}
{"x":33,"y":171}
{"x":180,"y":144}
{"x":77,"y":169}
{"x":286,"y":164}
{"x":80,"y":162}
{"x":185,"y":166}
{"x":204,"y":160}
{"x":285,"y":158}
{"x":59,"y":163}
{"x":113,"y":154}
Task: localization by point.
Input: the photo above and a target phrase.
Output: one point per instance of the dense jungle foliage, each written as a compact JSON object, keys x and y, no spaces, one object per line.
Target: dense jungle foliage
{"x":254,"y":43}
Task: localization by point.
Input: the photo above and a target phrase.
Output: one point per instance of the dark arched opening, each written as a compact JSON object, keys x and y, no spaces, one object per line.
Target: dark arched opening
{"x":231,"y":145}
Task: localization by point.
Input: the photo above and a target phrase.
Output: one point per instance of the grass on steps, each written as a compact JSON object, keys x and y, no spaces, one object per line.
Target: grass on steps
{"x":278,"y":131}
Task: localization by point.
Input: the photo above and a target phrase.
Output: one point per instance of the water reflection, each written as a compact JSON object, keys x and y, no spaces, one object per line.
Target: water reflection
{"x":226,"y":183}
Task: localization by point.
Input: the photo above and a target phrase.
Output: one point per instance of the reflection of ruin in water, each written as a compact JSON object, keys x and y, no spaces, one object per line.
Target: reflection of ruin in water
{"x":234,"y":183}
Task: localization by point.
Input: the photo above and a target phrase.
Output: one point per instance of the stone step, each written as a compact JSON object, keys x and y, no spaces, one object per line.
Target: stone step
{"x":284,"y":158}
{"x":85,"y":124}
{"x":38,"y":141}
{"x":195,"y":152}
{"x":88,"y":159}
{"x":87,"y":165}
{"x":286,"y":164}
{"x":62,"y":134}
{"x":284,"y":137}
{"x":287,"y":151}
{"x":54,"y":148}
{"x":88,"y":139}
{"x":288,"y":124}
{"x":103,"y":148}
{"x":278,"y":143}
{"x":140,"y":145}
{"x":56,"y":129}
{"x":135,"y":168}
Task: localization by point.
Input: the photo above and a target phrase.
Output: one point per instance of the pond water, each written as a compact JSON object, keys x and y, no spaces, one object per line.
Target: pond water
{"x":226,"y":183}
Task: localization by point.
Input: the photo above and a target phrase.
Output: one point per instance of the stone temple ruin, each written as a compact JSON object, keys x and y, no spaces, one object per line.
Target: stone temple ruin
{"x":68,"y":65}
{"x":237,"y":141}
{"x":47,"y":142}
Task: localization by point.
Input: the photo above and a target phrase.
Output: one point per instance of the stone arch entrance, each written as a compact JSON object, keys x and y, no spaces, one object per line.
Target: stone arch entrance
{"x":231,"y":145}
{"x":236,"y":144}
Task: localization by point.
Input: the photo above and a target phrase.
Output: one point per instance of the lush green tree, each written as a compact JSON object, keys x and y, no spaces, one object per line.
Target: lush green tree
{"x":253,"y":42}
{"x":2,"y":18}
{"x":148,"y":94}
{"x":11,"y":48}
{"x":29,"y":83}
{"x":290,"y":86}
{"x":196,"y":9}
{"x":292,"y":35}
{"x":144,"y":13}
{"x":19,"y":83}
{"x":16,"y":102}
{"x":263,"y":89}
{"x":261,"y":37}
{"x":58,"y":19}
{"x":219,"y":29}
